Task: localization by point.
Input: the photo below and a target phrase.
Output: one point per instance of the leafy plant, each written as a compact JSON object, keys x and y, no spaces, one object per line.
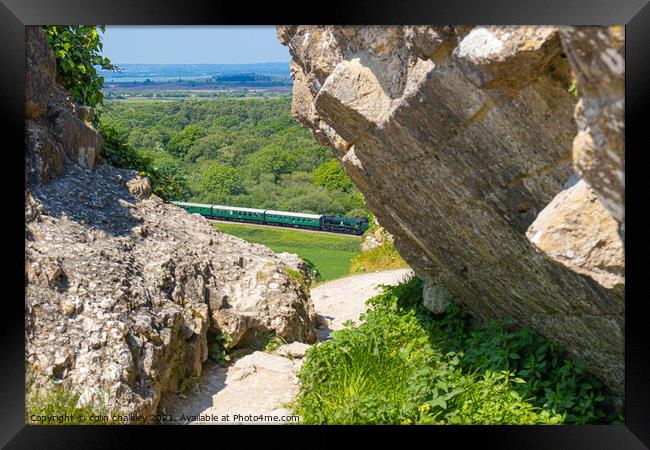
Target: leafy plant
{"x":77,"y":49}
{"x":332,"y":176}
{"x":312,"y":270}
{"x":218,"y":348}
{"x":273,"y":342}
{"x":166,"y":180}
{"x":402,"y":365}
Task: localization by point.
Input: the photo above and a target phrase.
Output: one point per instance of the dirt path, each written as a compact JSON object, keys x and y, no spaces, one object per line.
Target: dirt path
{"x":344,"y":299}
{"x":255,"y":388}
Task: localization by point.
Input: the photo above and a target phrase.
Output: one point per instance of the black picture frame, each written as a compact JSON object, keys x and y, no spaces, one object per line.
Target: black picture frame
{"x":634,"y":14}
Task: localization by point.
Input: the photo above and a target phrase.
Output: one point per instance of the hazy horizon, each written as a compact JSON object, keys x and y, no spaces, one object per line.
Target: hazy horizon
{"x":193,"y":45}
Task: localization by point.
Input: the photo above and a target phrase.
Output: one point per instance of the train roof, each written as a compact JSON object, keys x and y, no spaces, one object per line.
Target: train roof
{"x":198,"y":205}
{"x":294,"y":214}
{"x":236,"y":208}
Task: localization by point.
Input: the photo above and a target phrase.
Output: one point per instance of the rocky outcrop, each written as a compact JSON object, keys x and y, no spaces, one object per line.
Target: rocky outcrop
{"x":57,"y":130}
{"x":123,"y":291}
{"x":375,"y":237}
{"x":459,"y":137}
{"x":576,"y":231}
{"x":597,"y":57}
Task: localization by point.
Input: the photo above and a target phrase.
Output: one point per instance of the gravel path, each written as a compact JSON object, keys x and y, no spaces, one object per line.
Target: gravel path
{"x":256,"y":388}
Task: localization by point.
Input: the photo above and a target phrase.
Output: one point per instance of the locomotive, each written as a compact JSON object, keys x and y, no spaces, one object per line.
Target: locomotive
{"x":349,"y":225}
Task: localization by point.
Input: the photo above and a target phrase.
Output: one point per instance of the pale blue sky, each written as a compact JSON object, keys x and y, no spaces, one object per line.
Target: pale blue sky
{"x":193,"y":45}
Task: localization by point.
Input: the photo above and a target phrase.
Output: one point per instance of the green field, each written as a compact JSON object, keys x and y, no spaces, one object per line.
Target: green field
{"x":330,"y":253}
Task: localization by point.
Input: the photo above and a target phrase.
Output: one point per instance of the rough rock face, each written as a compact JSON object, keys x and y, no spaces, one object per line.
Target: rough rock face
{"x":57,"y":131}
{"x":458,"y":137}
{"x":121,"y":291}
{"x":121,"y":288}
{"x":376,"y":238}
{"x":590,"y":241}
{"x":597,"y":56}
{"x":576,"y":231}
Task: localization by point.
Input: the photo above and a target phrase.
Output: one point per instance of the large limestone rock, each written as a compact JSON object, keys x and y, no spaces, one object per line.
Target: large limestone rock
{"x":121,"y":291}
{"x":459,"y":137}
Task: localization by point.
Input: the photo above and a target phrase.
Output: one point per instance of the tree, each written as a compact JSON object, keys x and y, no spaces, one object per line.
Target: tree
{"x":220,"y":181}
{"x":331,"y":176}
{"x":273,"y":160}
{"x":180,"y":143}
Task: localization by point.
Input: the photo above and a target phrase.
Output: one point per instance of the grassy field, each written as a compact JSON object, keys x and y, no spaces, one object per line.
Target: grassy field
{"x":330,"y":253}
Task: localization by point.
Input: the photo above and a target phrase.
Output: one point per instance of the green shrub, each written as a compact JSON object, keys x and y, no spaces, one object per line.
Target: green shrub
{"x":77,"y":51}
{"x":332,"y":176}
{"x":167,"y":181}
{"x":312,"y":270}
{"x":402,"y":365}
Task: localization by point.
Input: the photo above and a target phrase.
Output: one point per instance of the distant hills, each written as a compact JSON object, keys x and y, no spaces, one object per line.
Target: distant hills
{"x":164,"y":72}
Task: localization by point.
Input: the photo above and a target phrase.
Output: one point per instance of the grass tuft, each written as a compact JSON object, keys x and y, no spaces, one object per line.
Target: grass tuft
{"x":384,"y":257}
{"x":52,"y":404}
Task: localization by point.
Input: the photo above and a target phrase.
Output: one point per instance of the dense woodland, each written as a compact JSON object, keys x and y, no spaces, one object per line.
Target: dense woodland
{"x":236,"y":151}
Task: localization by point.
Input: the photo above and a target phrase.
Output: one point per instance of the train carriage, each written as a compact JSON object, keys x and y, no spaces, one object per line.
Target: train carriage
{"x":195,"y":208}
{"x":238,"y":214}
{"x":293,"y":219}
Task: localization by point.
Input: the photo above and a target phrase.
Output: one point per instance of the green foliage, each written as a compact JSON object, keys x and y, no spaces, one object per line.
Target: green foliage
{"x":180,"y":143}
{"x":117,"y":152}
{"x":329,"y":254}
{"x":62,"y":405}
{"x":221,"y":181}
{"x":185,"y":383}
{"x":553,"y":379}
{"x":77,"y":49}
{"x":397,"y":367}
{"x":332,"y":176}
{"x":218,"y":348}
{"x":272,"y":160}
{"x":312,"y":270}
{"x":167,"y":179}
{"x":273,"y":342}
{"x":274,"y":156}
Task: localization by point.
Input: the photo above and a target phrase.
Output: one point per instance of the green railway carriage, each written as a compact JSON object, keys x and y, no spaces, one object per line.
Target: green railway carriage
{"x":234,"y":213}
{"x":195,"y":208}
{"x":278,"y":218}
{"x":293,"y":219}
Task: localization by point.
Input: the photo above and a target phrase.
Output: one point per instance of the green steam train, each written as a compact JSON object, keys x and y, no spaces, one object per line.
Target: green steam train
{"x":335,"y":224}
